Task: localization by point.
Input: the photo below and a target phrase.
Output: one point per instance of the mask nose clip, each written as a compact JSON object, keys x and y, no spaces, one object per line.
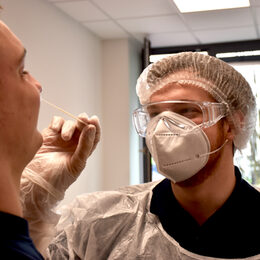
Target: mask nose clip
{"x":167,"y":121}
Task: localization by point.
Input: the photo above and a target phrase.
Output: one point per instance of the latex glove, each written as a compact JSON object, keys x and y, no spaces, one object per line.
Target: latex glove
{"x":61,"y":158}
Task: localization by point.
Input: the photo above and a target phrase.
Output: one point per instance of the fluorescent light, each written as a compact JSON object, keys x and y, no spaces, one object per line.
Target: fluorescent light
{"x":187,"y":6}
{"x":238,"y":54}
{"x":156,"y":57}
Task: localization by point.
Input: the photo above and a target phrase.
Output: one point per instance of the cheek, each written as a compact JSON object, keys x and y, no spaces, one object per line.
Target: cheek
{"x":31,"y":103}
{"x":216,"y":135}
{"x":35,"y":106}
{"x":19,"y":108}
{"x":32,"y":90}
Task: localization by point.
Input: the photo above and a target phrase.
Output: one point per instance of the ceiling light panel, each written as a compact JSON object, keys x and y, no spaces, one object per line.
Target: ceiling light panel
{"x":187,"y":6}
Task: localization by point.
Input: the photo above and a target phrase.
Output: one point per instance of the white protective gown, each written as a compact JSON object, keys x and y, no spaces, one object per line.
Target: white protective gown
{"x":116,"y":225}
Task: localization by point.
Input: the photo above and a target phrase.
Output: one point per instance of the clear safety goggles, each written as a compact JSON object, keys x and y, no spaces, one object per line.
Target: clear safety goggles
{"x":203,"y":114}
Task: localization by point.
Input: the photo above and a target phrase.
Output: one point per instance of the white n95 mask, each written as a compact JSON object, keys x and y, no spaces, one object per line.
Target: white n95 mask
{"x":178,"y":153}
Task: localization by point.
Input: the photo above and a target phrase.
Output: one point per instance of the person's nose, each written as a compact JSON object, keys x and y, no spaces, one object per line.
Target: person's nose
{"x":37,"y":84}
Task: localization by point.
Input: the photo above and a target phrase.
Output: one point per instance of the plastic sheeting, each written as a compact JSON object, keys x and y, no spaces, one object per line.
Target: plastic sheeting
{"x":116,"y":225}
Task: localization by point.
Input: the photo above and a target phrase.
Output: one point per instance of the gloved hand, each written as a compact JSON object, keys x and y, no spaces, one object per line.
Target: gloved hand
{"x":61,"y":158}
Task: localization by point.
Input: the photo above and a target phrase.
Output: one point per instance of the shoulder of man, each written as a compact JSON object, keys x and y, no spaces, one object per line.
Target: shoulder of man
{"x":92,"y":206}
{"x":249,"y":200}
{"x":126,"y":196}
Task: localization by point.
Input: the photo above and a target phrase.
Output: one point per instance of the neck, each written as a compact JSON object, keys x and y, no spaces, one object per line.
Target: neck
{"x":203,"y":194}
{"x":9,"y":191}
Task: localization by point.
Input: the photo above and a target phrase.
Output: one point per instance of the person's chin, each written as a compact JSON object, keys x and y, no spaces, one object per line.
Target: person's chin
{"x":40,"y":140}
{"x":37,"y":142}
{"x":197,"y":179}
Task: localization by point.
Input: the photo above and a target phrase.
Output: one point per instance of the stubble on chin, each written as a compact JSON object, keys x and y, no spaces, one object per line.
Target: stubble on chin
{"x":196,"y":179}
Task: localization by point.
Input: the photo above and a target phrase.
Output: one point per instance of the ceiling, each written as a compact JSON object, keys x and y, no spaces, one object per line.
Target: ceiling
{"x":162,"y":23}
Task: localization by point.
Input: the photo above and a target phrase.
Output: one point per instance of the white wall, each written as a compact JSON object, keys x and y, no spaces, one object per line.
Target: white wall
{"x":135,"y":68}
{"x":121,"y":67}
{"x":79,"y":72}
{"x":66,"y":59}
{"x":115,"y":107}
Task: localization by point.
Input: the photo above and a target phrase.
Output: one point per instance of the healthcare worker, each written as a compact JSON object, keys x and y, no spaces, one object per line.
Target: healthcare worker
{"x":20,"y":140}
{"x":196,"y":112}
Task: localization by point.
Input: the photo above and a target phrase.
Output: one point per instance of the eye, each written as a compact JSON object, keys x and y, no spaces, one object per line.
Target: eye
{"x":24,"y":73}
{"x":190,"y":112}
{"x":154,"y":113}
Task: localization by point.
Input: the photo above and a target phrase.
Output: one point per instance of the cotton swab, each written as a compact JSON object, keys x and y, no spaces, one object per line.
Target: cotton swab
{"x":64,"y":111}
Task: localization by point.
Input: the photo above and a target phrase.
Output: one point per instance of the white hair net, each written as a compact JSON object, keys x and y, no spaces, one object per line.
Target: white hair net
{"x":222,"y":81}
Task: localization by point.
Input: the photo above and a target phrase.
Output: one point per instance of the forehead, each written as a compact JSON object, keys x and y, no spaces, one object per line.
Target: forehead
{"x":10,"y":45}
{"x":173,"y":87}
{"x":177,"y":91}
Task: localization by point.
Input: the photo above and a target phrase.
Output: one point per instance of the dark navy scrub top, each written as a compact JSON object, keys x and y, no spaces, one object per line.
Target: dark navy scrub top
{"x":15,"y":242}
{"x":231,"y":232}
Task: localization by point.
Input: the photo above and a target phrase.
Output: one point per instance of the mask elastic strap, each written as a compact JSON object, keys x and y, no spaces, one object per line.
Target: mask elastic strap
{"x":197,"y":156}
{"x":214,"y":151}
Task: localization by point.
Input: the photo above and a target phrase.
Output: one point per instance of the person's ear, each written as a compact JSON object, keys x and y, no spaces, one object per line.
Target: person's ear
{"x":234,"y":123}
{"x":229,"y":129}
